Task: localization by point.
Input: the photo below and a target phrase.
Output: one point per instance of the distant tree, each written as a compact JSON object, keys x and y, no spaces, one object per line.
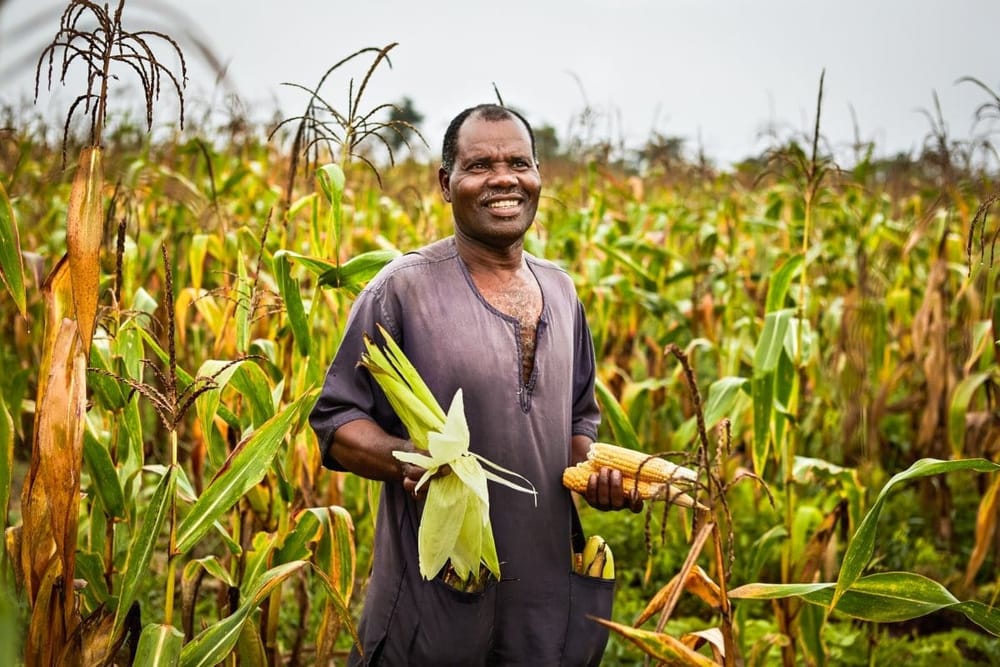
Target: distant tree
{"x":664,"y":151}
{"x":546,"y":143}
{"x":405,"y":120}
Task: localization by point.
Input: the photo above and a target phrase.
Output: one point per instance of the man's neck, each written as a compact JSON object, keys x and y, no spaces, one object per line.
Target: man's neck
{"x":481,"y":258}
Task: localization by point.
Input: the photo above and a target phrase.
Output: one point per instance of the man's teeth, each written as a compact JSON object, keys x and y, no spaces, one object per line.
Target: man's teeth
{"x":506,"y":203}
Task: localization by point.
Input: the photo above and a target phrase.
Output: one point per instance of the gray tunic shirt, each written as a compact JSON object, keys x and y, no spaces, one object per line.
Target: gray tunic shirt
{"x":429,"y":304}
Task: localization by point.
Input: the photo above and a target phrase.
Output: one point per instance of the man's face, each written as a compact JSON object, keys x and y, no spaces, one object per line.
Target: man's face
{"x":494,"y":186}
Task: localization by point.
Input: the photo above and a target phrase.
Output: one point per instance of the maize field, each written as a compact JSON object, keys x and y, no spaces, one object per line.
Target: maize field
{"x":812,"y":346}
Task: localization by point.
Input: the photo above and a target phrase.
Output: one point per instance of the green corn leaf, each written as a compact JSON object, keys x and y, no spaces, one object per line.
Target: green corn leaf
{"x":90,"y":568}
{"x":986,"y":617}
{"x":11,"y":264}
{"x":811,"y":623}
{"x":331,"y":182}
{"x":159,"y":646}
{"x":291,"y":296}
{"x":324,"y":535}
{"x":353,"y":274}
{"x":103,"y":475}
{"x":143,"y":544}
{"x":207,"y":405}
{"x":106,"y":389}
{"x":886,"y":597}
{"x":722,"y":397}
{"x":244,"y":468}
{"x":335,"y":553}
{"x":256,"y":559}
{"x":781,"y":279}
{"x":771,"y":341}
{"x":252,"y":382}
{"x":216,"y":642}
{"x":244,"y":295}
{"x":862,"y":544}
{"x":621,"y":427}
{"x":959,"y":408}
{"x":307,"y":529}
{"x":250,"y":647}
{"x":339,"y":604}
{"x":209,"y":564}
{"x":6,"y":461}
{"x":762,"y":389}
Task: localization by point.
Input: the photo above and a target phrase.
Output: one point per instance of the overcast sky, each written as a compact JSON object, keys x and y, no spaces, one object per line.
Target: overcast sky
{"x":715,"y":73}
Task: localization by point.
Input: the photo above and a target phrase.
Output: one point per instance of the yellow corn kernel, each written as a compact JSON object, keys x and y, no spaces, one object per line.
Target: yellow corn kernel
{"x":639,"y":464}
{"x":576,"y":478}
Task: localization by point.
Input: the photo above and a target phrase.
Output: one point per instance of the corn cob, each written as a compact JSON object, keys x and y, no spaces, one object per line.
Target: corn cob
{"x":576,"y":478}
{"x":638,"y":464}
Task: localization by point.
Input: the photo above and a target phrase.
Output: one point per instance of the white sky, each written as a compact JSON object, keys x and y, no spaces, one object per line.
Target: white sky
{"x":713,"y":72}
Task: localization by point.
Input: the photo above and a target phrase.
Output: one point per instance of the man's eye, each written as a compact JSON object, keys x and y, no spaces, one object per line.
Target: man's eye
{"x":521,"y":163}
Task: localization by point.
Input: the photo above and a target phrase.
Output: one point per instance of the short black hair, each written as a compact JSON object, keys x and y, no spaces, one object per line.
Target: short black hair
{"x":490,"y":112}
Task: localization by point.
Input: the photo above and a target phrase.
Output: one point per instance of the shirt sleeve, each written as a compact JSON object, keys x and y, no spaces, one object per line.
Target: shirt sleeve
{"x":586,"y":413}
{"x":349,"y":392}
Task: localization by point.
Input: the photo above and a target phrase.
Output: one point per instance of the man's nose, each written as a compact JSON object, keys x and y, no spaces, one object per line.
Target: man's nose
{"x":502,"y":174}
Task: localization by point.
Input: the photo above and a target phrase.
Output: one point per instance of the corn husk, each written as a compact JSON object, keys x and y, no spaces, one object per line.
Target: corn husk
{"x":467,"y":544}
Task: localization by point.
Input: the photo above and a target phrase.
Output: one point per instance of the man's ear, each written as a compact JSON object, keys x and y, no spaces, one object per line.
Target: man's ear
{"x":445,"y":182}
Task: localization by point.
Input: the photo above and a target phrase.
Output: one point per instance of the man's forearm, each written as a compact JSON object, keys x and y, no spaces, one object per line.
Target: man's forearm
{"x":364,"y":448}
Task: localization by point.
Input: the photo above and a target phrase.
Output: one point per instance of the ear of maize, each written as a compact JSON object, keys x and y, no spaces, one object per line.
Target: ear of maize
{"x":646,"y":467}
{"x":576,"y":478}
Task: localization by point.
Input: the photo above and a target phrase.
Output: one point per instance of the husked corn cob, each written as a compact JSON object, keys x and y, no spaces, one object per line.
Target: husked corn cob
{"x":638,"y":464}
{"x":576,"y":478}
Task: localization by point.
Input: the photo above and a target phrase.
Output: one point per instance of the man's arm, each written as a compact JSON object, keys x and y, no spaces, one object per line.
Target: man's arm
{"x":364,"y":448}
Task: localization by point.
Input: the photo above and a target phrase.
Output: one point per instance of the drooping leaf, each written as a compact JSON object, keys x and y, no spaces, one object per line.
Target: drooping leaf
{"x":862,"y":543}
{"x":353,"y":274}
{"x":660,"y":646}
{"x":244,"y":468}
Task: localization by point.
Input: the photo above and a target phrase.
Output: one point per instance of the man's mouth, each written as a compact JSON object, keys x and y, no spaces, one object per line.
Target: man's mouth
{"x":501,"y":204}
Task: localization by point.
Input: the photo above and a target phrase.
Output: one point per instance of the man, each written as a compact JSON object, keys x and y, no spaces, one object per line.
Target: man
{"x":476,"y":312}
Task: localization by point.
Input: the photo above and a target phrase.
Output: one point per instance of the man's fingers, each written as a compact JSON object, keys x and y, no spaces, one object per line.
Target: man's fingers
{"x":604,"y":487}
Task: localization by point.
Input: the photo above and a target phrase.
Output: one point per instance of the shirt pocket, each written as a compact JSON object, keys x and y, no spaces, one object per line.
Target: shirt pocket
{"x":452,"y":627}
{"x":586,"y":639}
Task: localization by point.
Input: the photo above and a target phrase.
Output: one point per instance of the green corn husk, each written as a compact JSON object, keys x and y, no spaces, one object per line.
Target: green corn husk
{"x":466,"y":547}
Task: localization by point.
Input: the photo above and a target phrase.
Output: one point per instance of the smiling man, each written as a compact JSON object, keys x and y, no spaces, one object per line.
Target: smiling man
{"x":475,"y":311}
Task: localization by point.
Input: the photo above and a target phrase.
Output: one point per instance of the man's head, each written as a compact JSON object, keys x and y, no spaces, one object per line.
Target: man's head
{"x":490,"y":176}
{"x":490,"y":112}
